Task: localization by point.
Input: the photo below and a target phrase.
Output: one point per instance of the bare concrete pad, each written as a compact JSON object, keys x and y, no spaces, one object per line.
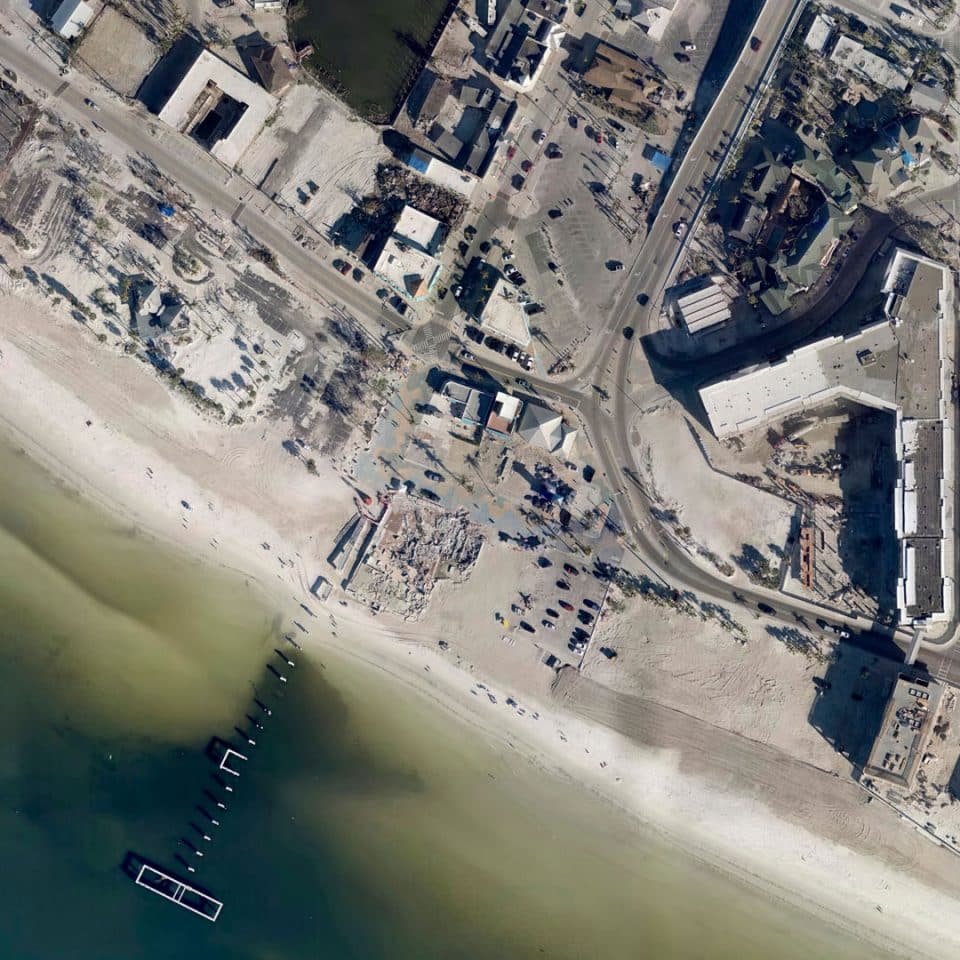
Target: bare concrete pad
{"x":118,"y":51}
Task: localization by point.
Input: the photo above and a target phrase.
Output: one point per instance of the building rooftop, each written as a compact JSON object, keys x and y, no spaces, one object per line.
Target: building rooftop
{"x":503,"y":413}
{"x":219,"y":107}
{"x":704,"y":308}
{"x":409,"y":270}
{"x":272,"y":69}
{"x":467,"y":403}
{"x":820,"y":32}
{"x":853,"y":56}
{"x":71,"y":17}
{"x":544,"y":428}
{"x":419,"y":230}
{"x":930,"y":98}
{"x":503,"y":314}
{"x":905,"y":730}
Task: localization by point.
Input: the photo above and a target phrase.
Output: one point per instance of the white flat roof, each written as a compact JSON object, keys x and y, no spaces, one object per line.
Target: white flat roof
{"x":207,"y":69}
{"x":854,"y":56}
{"x":71,"y":17}
{"x":409,"y":270}
{"x":807,"y":377}
{"x":419,"y":229}
{"x":504,"y":316}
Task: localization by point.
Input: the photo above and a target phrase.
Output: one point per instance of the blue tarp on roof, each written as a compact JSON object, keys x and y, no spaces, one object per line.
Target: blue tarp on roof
{"x":661,"y":161}
{"x":418,"y":162}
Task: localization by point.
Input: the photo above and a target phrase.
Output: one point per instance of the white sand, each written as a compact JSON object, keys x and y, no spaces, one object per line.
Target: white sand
{"x":145,"y":451}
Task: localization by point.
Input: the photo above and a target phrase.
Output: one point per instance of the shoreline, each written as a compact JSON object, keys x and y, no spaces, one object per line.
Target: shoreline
{"x":153,"y":460}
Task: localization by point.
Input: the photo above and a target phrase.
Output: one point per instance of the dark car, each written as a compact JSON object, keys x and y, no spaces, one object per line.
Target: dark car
{"x":493,"y":343}
{"x":580,"y":635}
{"x":357,"y":274}
{"x":565,"y":605}
{"x":585,"y":617}
{"x":570,"y":568}
{"x":614,"y":266}
{"x":755,"y":43}
{"x":592,"y":604}
{"x":681,"y":58}
{"x":474,"y":333}
{"x":429,"y":494}
{"x":342,"y":266}
{"x":544,"y":562}
{"x":609,"y":653}
{"x":485,"y":247}
{"x":554,"y":213}
{"x":642,"y":299}
{"x":588,"y":473}
{"x":526,"y":166}
{"x":526,"y":626}
{"x":550,"y":612}
{"x":628,"y":333}
{"x":434,"y":476}
{"x":617,"y":125}
{"x":563,"y":585}
{"x":765,"y":608}
{"x":573,"y":121}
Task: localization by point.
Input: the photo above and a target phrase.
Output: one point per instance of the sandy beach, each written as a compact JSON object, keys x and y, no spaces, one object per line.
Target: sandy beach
{"x":108,"y":428}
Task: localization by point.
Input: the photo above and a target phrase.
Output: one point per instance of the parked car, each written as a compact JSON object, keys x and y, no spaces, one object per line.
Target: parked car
{"x":511,"y":152}
{"x":585,"y":617}
{"x":609,"y":653}
{"x":681,"y":58}
{"x":592,"y":604}
{"x":628,"y":333}
{"x":90,"y":104}
{"x":755,"y":43}
{"x":429,"y":494}
{"x":474,"y":333}
{"x":566,"y":605}
{"x":544,"y":562}
{"x":492,"y":343}
{"x":342,"y":266}
{"x":539,"y":136}
{"x":553,"y":152}
{"x":616,"y":124}
{"x":526,"y":166}
{"x":598,"y":137}
{"x":680,"y":229}
{"x":573,"y":120}
{"x":687,"y":46}
{"x":588,"y":473}
{"x":549,"y":625}
{"x":458,"y":291}
{"x":554,"y":213}
{"x":434,"y":476}
{"x":563,"y":585}
{"x":571,"y":569}
{"x":614,"y":266}
{"x":526,"y":626}
{"x":357,"y":274}
{"x":552,"y":613}
{"x":643,"y":299}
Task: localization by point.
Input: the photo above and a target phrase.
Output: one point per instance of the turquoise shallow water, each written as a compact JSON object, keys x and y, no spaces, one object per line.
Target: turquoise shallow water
{"x":367,"y":822}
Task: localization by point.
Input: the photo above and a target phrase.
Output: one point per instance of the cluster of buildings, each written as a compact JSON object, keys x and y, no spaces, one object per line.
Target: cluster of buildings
{"x":508,"y":417}
{"x":525,"y":35}
{"x":899,"y":365}
{"x":900,"y":150}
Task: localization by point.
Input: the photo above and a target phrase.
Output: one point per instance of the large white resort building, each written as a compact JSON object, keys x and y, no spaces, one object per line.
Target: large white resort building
{"x":903,"y":364}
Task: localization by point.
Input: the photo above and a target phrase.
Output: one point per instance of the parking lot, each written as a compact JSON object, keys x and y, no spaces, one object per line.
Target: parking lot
{"x":557,"y":604}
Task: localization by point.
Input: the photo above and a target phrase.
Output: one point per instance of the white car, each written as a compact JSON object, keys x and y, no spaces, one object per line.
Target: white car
{"x":680,"y":229}
{"x":688,"y":46}
{"x":539,"y":136}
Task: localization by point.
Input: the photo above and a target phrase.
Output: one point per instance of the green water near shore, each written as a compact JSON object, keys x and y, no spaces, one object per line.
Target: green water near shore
{"x":367,"y":824}
{"x":367,"y":50}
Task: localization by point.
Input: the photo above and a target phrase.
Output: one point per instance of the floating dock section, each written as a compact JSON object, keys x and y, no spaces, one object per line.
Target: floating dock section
{"x":178,"y":892}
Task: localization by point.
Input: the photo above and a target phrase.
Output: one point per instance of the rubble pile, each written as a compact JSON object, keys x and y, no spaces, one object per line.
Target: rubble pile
{"x":418,"y":545}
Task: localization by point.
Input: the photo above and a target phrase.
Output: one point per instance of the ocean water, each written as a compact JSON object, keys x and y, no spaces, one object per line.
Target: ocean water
{"x":367,"y":822}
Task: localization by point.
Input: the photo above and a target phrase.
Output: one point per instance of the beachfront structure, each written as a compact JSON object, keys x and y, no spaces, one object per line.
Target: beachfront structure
{"x":853,"y":56}
{"x":928,"y":97}
{"x":218,"y":107}
{"x":891,"y":161}
{"x":905,"y":731}
{"x":70,"y":18}
{"x":263,"y":6}
{"x":651,"y":16}
{"x":407,"y":260}
{"x":901,"y":365}
{"x":703,"y":309}
{"x":623,"y":80}
{"x":504,"y":412}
